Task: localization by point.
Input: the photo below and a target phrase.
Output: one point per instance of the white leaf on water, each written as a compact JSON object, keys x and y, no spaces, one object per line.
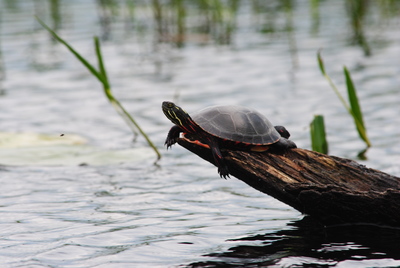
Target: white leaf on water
{"x":22,"y":149}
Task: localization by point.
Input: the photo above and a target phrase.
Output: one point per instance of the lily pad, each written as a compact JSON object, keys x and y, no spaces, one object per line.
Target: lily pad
{"x":27,"y":149}
{"x":18,"y":140}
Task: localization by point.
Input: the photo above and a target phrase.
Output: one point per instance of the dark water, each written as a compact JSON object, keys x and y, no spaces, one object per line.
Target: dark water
{"x":313,"y":245}
{"x":94,"y":198}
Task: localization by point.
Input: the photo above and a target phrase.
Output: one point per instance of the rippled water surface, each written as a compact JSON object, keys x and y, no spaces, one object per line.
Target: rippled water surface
{"x":94,"y":198}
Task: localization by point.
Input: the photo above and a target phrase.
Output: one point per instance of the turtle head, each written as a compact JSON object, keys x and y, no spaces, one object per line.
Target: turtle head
{"x":176,"y":114}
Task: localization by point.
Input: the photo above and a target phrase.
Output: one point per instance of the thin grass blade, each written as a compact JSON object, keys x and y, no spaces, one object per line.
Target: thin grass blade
{"x":321,"y":63}
{"x":333,"y":86}
{"x":117,"y":105}
{"x":102,"y":69}
{"x":355,"y":108}
{"x":73,"y":51}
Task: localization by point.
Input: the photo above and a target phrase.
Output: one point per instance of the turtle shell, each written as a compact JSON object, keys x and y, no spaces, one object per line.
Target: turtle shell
{"x":238,"y":124}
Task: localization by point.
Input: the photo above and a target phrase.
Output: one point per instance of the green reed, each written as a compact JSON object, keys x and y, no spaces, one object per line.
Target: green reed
{"x":101,"y":75}
{"x":353,"y":108}
{"x":318,"y":135}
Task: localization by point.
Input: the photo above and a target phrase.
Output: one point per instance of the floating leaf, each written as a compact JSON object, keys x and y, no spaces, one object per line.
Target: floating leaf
{"x":36,"y":149}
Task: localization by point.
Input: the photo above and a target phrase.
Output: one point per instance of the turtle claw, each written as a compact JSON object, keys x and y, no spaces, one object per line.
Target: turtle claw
{"x":172,"y":137}
{"x":224,"y":176}
{"x":223,"y":172}
{"x":169,"y":142}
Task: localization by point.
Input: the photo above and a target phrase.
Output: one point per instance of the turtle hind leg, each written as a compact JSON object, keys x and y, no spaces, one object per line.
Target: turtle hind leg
{"x":173,"y":136}
{"x":219,"y":159}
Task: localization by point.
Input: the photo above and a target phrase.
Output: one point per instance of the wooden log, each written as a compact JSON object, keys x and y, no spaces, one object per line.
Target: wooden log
{"x":331,"y":189}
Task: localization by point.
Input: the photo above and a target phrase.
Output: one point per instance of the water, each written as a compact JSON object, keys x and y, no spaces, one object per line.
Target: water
{"x":93,"y":198}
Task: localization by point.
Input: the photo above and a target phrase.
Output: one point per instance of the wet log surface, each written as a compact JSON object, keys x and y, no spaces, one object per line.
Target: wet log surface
{"x":332,"y":189}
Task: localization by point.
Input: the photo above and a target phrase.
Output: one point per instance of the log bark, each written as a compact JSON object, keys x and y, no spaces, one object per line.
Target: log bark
{"x":331,"y":189}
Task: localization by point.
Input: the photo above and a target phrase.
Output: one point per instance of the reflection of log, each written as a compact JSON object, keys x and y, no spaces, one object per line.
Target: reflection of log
{"x":320,"y":246}
{"x":331,"y":189}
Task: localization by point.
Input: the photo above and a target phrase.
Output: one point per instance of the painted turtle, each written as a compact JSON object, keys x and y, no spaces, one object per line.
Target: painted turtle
{"x":232,"y":127}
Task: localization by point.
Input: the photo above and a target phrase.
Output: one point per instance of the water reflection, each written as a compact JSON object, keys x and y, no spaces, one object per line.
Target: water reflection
{"x":105,"y":13}
{"x":357,"y":10}
{"x":2,"y":72}
{"x":180,"y":23}
{"x":315,"y":16}
{"x":310,"y":243}
{"x":55,"y":14}
{"x":215,"y":22}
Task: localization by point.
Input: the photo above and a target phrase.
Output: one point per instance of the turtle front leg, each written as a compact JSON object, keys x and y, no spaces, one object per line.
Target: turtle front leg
{"x":219,"y":159}
{"x":173,"y":136}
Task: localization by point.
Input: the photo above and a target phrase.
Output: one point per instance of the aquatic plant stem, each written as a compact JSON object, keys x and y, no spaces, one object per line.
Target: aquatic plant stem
{"x":333,"y":86}
{"x":101,"y":75}
{"x":354,"y":108}
{"x":116,"y":104}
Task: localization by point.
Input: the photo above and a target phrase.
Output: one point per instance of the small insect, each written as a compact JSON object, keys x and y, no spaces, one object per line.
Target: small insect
{"x":62,"y":134}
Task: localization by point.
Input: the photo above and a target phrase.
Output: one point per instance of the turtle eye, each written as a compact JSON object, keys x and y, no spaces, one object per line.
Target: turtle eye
{"x":170,"y":105}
